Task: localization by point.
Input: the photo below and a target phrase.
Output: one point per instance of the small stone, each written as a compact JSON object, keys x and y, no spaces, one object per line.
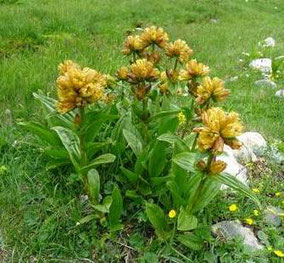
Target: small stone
{"x":269,"y":42}
{"x":280,"y":93}
{"x":272,"y":216}
{"x":266,"y":83}
{"x":253,"y":140}
{"x":213,"y":20}
{"x":262,"y":64}
{"x":229,"y":230}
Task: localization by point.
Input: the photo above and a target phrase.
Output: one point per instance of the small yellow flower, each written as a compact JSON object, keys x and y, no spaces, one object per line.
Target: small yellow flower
{"x":132,"y":44}
{"x":181,"y":118}
{"x":194,"y":69}
{"x":172,"y":213}
{"x":179,"y":49}
{"x":255,"y":190}
{"x":277,"y":194}
{"x":154,"y":35}
{"x":217,"y":167}
{"x":233,"y":208}
{"x":249,"y":221}
{"x":256,"y":212}
{"x":122,"y":73}
{"x":279,"y":253}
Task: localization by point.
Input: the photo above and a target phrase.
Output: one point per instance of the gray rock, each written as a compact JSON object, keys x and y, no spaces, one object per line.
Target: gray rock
{"x":262,"y":64}
{"x":272,"y":216}
{"x":229,"y":230}
{"x":280,"y":93}
{"x":266,"y":83}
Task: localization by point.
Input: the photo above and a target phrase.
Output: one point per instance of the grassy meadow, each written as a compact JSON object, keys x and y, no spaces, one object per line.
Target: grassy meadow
{"x":38,"y":209}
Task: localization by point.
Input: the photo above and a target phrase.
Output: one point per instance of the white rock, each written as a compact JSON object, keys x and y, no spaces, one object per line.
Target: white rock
{"x":269,"y":42}
{"x":266,"y":83}
{"x":252,"y":140}
{"x":262,"y":64}
{"x":233,"y":167}
{"x":280,"y":93}
{"x":229,"y":230}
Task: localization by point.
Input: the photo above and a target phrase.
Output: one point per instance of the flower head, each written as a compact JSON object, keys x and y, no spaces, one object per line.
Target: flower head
{"x":122,"y":73}
{"x":233,"y":208}
{"x":172,"y":213}
{"x":249,"y":221}
{"x":132,"y":44}
{"x":77,"y":87}
{"x":217,"y":167}
{"x":154,"y":35}
{"x":256,"y":212}
{"x":211,"y":89}
{"x":179,"y":49}
{"x":219,"y":128}
{"x":181,"y":118}
{"x":194,"y":69}
{"x":279,"y":253}
{"x":142,"y":70}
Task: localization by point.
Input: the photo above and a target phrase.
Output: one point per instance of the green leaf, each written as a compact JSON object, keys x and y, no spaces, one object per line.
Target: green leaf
{"x":168,"y":137}
{"x":131,"y":176}
{"x":177,"y":198}
{"x":191,"y":241}
{"x":160,"y":180}
{"x":94,"y":184}
{"x":158,"y":220}
{"x":87,"y":219}
{"x":116,"y":208}
{"x":57,"y":153}
{"x":185,"y":160}
{"x":166,"y":113}
{"x":57,"y":163}
{"x":186,"y":221}
{"x":158,"y":159}
{"x":44,"y":133}
{"x":192,"y":186}
{"x":71,"y":143}
{"x":93,"y":147}
{"x":102,"y":159}
{"x":209,"y":190}
{"x":133,"y":141}
{"x":105,"y":206}
{"x":234,"y":183}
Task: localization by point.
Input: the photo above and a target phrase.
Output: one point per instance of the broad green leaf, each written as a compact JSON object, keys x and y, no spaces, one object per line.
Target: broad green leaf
{"x":166,"y":113}
{"x":192,"y":186}
{"x":158,"y":220}
{"x":87,"y":219}
{"x":44,"y":133}
{"x":208,"y":191}
{"x":94,"y":184}
{"x":168,"y":125}
{"x":57,"y":153}
{"x":169,"y":138}
{"x":160,"y":180}
{"x":93,"y":147}
{"x":235,"y":184}
{"x":191,"y":241}
{"x":71,"y":143}
{"x":177,"y":198}
{"x":131,"y":176}
{"x":134,"y":142}
{"x":102,"y":159}
{"x":105,"y":206}
{"x":116,"y":208}
{"x":57,"y":163}
{"x":158,"y":159}
{"x":186,"y":221}
{"x":185,"y":160}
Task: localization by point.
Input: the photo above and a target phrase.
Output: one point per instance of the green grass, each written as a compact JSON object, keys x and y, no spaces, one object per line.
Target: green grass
{"x":38,"y":212}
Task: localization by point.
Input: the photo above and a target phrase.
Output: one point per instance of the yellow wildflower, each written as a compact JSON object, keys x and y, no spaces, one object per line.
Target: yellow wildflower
{"x":141,"y":91}
{"x":77,"y":87}
{"x":142,"y":70}
{"x":122,"y":73}
{"x":181,"y":118}
{"x":217,"y":167}
{"x":154,"y":35}
{"x":179,"y":49}
{"x":233,"y":208}
{"x":256,"y":212}
{"x":172,"y":213}
{"x":255,"y":190}
{"x":219,"y":128}
{"x":279,"y":253}
{"x":211,"y":88}
{"x":249,"y":221}
{"x":193,"y":69}
{"x":132,"y":44}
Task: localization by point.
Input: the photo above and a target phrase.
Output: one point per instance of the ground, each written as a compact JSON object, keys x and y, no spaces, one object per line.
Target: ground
{"x":38,"y":218}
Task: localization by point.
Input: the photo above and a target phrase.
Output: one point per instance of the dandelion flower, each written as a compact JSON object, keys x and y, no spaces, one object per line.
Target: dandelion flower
{"x":154,"y":35}
{"x":249,"y":221}
{"x":279,"y":253}
{"x":172,"y":213}
{"x":219,"y":128}
{"x":211,"y":88}
{"x":233,"y":208}
{"x":179,"y":49}
{"x":194,"y":69}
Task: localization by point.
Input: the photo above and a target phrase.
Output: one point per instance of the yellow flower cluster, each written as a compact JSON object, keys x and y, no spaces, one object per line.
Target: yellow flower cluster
{"x":78,"y":86}
{"x":219,"y":128}
{"x":132,"y":44}
{"x":194,"y":69}
{"x":211,"y":89}
{"x":154,"y":35}
{"x":179,"y":49}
